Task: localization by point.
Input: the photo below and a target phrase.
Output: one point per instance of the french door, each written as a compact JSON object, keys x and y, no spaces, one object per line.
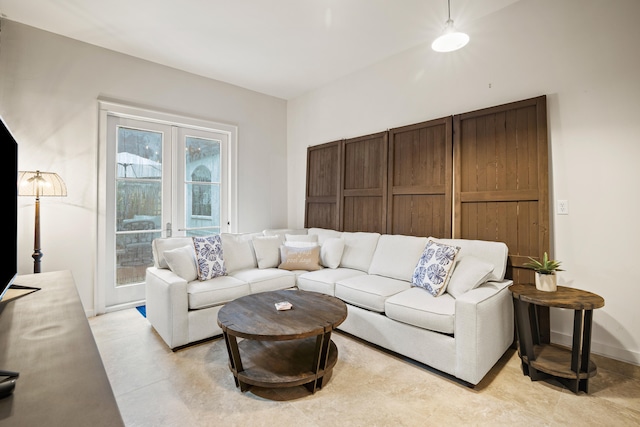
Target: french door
{"x":162,"y":178}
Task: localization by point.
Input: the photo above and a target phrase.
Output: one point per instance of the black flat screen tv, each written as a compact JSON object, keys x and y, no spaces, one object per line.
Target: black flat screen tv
{"x":9,"y":197}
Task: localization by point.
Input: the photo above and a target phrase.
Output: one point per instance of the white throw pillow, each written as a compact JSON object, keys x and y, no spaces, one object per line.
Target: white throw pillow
{"x":161,"y":245}
{"x":331,"y":252}
{"x":209,"y":258}
{"x":182,"y":261}
{"x":434,"y":267}
{"x":267,"y":250}
{"x":469,"y":273}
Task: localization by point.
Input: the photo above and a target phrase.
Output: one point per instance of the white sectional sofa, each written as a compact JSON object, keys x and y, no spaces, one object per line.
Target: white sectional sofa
{"x":462,"y":332}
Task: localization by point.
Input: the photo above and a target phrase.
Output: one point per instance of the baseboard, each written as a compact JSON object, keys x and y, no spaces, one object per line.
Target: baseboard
{"x":123,"y":306}
{"x":603,"y":350}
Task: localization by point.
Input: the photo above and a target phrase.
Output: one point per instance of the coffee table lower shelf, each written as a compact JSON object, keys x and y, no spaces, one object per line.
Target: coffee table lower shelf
{"x":275,"y":364}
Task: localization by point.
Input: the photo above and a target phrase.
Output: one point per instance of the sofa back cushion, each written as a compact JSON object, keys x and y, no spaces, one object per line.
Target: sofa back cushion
{"x":494,"y":253}
{"x":396,"y":256}
{"x":283,"y":231}
{"x":358,"y":249}
{"x":324,"y":234}
{"x":237,"y":250}
{"x":301,"y":238}
{"x":159,"y":246}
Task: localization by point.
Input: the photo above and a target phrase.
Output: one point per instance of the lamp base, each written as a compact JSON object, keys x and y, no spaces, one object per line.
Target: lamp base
{"x":37,"y":256}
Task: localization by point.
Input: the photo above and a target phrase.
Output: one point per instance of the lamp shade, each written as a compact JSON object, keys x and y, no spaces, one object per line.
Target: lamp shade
{"x":450,"y":40}
{"x":36,"y":183}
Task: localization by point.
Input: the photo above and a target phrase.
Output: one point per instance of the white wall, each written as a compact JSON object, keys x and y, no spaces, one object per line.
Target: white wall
{"x":49,"y":86}
{"x":582,"y":54}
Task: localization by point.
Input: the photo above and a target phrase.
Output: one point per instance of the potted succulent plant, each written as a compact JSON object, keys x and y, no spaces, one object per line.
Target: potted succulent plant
{"x":546,"y":279}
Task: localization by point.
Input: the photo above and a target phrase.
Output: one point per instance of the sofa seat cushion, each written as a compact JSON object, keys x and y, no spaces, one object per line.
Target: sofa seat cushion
{"x":324,"y":281}
{"x":266,"y":279}
{"x":369,"y":291}
{"x":217,"y":291}
{"x":419,"y":308}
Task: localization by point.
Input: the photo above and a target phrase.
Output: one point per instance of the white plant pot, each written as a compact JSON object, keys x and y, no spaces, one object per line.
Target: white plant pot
{"x":546,"y":282}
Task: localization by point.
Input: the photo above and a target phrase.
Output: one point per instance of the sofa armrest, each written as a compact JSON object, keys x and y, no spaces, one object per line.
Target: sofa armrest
{"x":167,"y":305}
{"x":483,"y":328}
{"x":498,"y":285}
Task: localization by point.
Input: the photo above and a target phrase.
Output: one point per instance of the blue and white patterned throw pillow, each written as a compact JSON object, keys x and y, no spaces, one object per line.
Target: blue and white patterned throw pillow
{"x":434,"y":268}
{"x":209,"y":257}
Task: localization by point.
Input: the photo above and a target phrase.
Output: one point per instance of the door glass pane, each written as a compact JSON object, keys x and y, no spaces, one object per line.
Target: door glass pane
{"x":138,"y":201}
{"x":202,"y":186}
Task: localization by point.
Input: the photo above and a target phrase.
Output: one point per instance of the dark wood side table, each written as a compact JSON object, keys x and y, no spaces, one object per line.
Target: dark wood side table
{"x":572,"y":367}
{"x":281,"y":348}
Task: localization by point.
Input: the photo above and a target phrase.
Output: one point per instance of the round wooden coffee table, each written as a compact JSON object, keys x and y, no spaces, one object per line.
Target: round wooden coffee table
{"x":281,"y":348}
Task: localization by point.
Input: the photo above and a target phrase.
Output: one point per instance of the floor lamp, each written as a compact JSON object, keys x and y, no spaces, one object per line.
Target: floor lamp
{"x":39,"y":184}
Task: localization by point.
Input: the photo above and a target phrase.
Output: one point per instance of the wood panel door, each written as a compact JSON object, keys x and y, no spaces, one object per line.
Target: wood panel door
{"x":324,"y":186}
{"x":364,"y":193}
{"x":420,"y":179}
{"x":501,"y":180}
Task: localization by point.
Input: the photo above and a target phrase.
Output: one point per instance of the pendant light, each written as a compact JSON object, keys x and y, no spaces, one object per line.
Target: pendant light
{"x":450,"y":39}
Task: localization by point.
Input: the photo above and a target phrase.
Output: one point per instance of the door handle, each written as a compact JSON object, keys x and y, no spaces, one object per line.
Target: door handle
{"x":168,"y":229}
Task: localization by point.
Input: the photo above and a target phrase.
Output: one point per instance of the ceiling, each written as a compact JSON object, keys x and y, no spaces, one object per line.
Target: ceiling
{"x":282,"y":48}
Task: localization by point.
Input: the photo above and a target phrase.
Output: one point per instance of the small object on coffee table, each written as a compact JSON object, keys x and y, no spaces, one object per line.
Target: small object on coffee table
{"x":284,"y":305}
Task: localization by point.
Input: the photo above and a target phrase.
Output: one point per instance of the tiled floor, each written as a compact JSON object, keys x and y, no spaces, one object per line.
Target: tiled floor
{"x":193,"y":387}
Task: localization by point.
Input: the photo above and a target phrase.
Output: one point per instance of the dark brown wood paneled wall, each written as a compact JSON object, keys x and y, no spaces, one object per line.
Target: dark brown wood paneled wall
{"x":501,"y":179}
{"x":364,"y":192}
{"x":420,"y":179}
{"x":322,"y":206}
{"x":478,"y":175}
